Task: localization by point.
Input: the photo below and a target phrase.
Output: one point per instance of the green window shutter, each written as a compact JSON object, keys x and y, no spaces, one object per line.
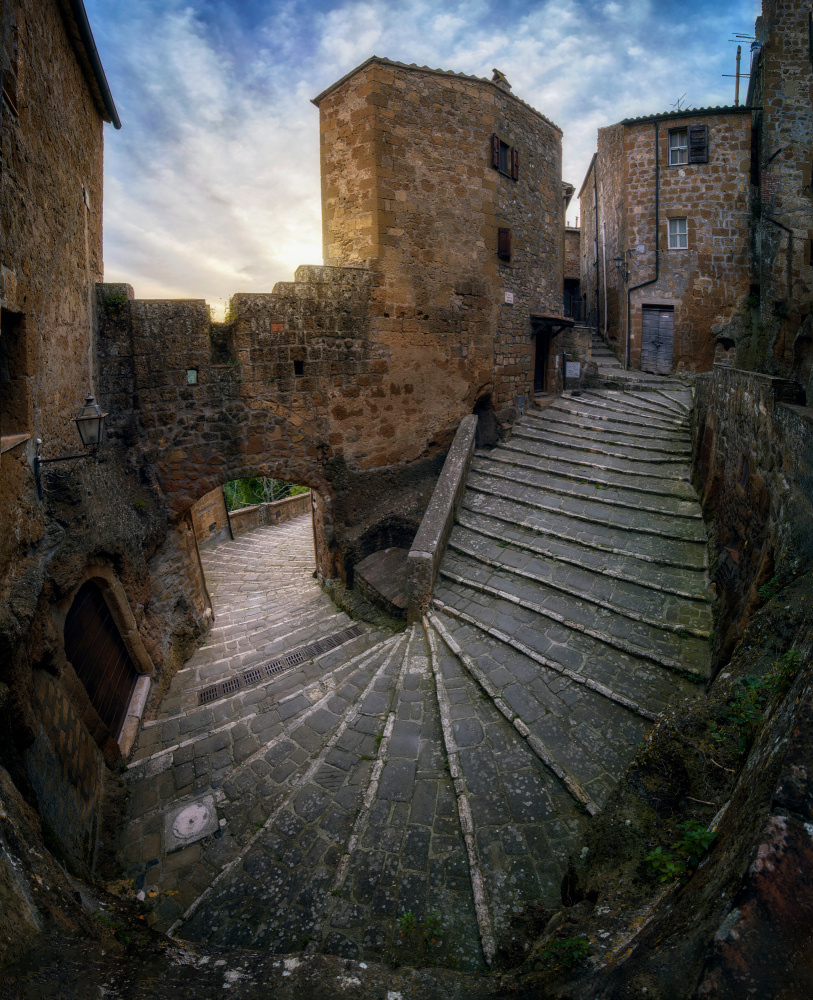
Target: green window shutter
{"x":495,"y":151}
{"x":515,"y":164}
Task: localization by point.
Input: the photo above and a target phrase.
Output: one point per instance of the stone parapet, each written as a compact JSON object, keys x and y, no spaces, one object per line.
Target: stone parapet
{"x":430,"y":542}
{"x":247,"y":518}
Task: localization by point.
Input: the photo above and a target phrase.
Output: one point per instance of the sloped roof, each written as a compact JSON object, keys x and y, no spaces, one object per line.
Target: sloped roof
{"x":414,"y":67}
{"x":689,"y":113}
{"x":81,"y":37}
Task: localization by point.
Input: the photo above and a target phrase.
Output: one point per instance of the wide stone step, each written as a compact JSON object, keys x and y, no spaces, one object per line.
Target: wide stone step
{"x":648,"y":403}
{"x":631,"y":404}
{"x":591,"y":511}
{"x":617,"y":489}
{"x":660,"y":579}
{"x":620,"y":433}
{"x":606,"y":449}
{"x":592,"y":534}
{"x":583,"y":406}
{"x":586,"y":623}
{"x":568,"y":434}
{"x":606,"y":463}
{"x":666,"y":611}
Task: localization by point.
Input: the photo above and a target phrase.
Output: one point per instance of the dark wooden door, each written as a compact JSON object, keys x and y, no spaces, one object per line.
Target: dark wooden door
{"x":657,"y":337}
{"x":541,"y":361}
{"x":99,"y":657}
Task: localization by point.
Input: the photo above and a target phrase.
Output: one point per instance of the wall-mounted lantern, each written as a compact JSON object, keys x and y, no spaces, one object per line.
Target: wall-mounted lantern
{"x":90,"y":424}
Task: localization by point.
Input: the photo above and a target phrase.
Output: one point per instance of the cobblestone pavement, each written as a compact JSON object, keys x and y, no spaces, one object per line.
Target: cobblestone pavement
{"x":402,"y":795}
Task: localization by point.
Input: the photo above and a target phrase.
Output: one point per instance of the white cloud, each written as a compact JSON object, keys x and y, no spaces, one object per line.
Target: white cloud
{"x":212,"y":186}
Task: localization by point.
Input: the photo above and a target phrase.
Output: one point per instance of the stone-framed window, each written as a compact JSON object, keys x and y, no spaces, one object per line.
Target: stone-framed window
{"x":687,"y":145}
{"x":15,"y":378}
{"x":678,"y":234}
{"x":504,"y":158}
{"x":678,"y":146}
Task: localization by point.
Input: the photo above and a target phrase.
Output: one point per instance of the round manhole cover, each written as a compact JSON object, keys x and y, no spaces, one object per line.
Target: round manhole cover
{"x":190,"y":821}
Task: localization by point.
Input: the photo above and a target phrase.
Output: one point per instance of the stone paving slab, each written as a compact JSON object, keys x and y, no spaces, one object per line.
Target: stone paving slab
{"x":620,"y":518}
{"x":605,"y":487}
{"x":539,"y":517}
{"x":692,"y":584}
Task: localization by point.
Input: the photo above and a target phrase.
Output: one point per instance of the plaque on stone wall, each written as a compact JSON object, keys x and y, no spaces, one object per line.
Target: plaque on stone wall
{"x":573,"y":369}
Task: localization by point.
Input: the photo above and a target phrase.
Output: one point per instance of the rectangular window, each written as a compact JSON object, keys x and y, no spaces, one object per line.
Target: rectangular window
{"x":678,"y":234}
{"x":10,"y":60}
{"x":678,"y":146}
{"x":504,"y":158}
{"x":504,"y":244}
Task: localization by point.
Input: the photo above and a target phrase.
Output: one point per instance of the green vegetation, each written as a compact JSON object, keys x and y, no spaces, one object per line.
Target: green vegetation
{"x":114,"y":302}
{"x":683,"y":857}
{"x":767,"y":590}
{"x":568,"y":953}
{"x":259,"y":489}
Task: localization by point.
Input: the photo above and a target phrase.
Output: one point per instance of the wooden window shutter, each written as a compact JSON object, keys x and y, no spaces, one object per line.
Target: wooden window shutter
{"x":515,"y":164}
{"x":495,"y":151}
{"x":504,"y":244}
{"x":698,"y":144}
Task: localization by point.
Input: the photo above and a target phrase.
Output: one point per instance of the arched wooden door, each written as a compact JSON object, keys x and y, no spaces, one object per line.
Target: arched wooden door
{"x":98,"y":655}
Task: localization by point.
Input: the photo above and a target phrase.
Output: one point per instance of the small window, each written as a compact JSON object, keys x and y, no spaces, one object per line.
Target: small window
{"x":678,"y":146}
{"x":504,"y":244}
{"x":504,"y":158}
{"x":299,"y":367}
{"x":678,"y":234}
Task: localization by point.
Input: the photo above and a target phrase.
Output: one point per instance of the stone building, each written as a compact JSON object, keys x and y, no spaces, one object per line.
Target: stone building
{"x":779,"y":337}
{"x":572,"y":273}
{"x":76,"y":549}
{"x":448,"y":188}
{"x":665,"y":217}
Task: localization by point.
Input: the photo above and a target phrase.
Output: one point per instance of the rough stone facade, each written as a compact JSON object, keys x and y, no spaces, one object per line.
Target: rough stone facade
{"x":572,"y":268}
{"x":409,"y":190}
{"x":753,"y":446}
{"x":781,"y":336}
{"x":707,"y":283}
{"x":86,"y":526}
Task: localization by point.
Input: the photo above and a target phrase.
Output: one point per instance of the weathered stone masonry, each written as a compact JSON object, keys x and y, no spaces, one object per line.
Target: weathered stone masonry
{"x":408,"y":189}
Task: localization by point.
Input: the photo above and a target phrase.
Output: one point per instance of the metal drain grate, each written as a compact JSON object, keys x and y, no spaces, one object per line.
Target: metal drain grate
{"x":276,"y":666}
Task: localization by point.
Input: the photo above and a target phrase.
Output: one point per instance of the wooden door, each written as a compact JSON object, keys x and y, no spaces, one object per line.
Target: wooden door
{"x":99,"y":657}
{"x":657,"y":338}
{"x":541,"y":361}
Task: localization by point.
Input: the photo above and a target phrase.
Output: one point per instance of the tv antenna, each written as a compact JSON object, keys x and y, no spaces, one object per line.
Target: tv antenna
{"x":676,"y":106}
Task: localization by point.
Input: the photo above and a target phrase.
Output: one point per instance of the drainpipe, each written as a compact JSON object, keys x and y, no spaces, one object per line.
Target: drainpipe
{"x":651,"y":281}
{"x":604,"y":262}
{"x":595,"y":195}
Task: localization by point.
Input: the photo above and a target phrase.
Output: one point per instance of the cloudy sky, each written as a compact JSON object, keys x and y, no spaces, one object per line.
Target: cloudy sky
{"x":212,"y":185}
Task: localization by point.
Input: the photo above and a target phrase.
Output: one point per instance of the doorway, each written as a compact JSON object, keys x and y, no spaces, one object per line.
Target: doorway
{"x":657,"y":339}
{"x":99,"y":656}
{"x":541,"y":360}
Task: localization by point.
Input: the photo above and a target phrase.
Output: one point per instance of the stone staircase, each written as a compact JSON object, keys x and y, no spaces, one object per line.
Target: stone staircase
{"x":611,"y":373}
{"x":404,"y":796}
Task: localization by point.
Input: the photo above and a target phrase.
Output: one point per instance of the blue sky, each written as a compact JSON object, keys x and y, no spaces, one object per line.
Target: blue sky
{"x":212,"y":185}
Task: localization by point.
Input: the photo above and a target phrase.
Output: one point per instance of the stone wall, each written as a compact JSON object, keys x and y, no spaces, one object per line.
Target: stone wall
{"x":262,"y":514}
{"x":781,"y":338}
{"x":408,"y":189}
{"x":572,"y":265}
{"x":92,"y":515}
{"x":753,"y":448}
